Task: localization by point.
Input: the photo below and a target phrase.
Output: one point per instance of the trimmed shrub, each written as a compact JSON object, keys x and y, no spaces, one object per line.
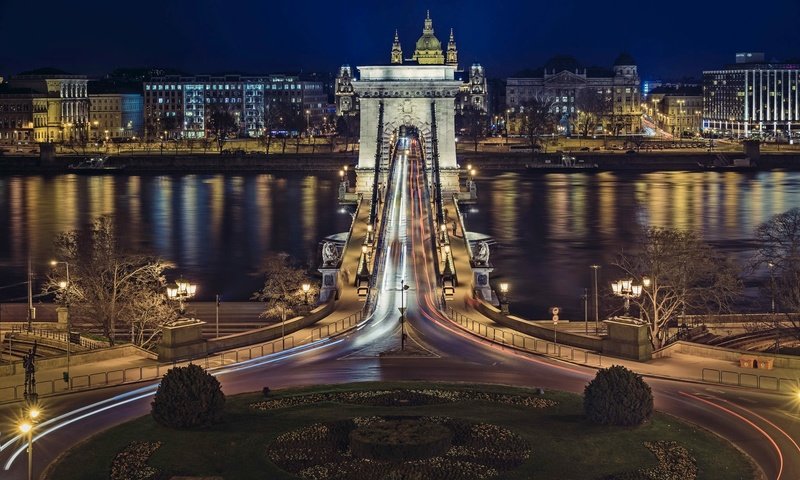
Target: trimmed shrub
{"x":618,"y":396}
{"x":188,"y":397}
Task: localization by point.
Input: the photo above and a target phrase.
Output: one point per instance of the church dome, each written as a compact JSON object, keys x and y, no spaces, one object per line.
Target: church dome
{"x":428,"y":41}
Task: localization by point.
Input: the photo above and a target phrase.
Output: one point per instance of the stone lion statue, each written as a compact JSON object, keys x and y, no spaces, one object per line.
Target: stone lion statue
{"x":330,"y":255}
{"x":481,"y":255}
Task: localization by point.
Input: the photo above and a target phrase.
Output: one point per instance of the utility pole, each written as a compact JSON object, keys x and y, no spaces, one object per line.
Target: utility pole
{"x":596,"y":304}
{"x":31,"y":311}
{"x":586,"y":311}
{"x":217,"y":315}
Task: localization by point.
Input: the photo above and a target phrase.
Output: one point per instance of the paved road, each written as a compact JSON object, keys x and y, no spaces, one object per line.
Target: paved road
{"x":763,"y":425}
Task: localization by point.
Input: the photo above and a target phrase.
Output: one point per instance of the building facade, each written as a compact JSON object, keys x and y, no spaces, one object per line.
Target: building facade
{"x":59,"y":104}
{"x":752,"y":98}
{"x":182,"y":105}
{"x":16,"y":115}
{"x":677,"y":111}
{"x":563,"y":80}
{"x":115,"y":116}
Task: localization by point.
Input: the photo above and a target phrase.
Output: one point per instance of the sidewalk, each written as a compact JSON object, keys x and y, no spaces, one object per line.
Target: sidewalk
{"x":678,"y":366}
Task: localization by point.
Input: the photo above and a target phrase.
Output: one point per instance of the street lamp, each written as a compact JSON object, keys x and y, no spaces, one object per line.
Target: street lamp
{"x":26,"y":428}
{"x":627,"y":290}
{"x":306,"y":288}
{"x":508,"y":110}
{"x":64,"y":285}
{"x":369,"y":233}
{"x":504,"y":298}
{"x":181,"y":290}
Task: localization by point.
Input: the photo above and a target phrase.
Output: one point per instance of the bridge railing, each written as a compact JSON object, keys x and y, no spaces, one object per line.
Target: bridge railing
{"x":750,"y":380}
{"x":524,"y":342}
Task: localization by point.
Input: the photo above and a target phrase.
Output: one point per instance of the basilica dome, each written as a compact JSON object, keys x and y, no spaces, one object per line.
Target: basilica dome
{"x":429,"y":48}
{"x":428,"y":41}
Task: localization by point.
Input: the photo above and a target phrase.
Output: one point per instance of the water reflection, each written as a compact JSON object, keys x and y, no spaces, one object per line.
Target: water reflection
{"x":552,"y":227}
{"x":216,"y":228}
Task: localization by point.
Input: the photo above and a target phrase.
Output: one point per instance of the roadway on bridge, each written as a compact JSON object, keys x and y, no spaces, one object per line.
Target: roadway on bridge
{"x":763,"y":425}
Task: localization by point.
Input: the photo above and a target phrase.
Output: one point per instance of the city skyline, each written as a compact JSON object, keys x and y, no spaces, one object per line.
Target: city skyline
{"x":506,"y":39}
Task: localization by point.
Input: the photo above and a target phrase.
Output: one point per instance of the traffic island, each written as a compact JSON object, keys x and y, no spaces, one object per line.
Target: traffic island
{"x":495,"y":432}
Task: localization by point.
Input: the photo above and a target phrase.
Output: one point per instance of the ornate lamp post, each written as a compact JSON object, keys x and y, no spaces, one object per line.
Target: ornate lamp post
{"x":627,"y":290}
{"x":65,"y":285}
{"x":504,"y":298}
{"x":306,"y":288}
{"x":181,"y":290}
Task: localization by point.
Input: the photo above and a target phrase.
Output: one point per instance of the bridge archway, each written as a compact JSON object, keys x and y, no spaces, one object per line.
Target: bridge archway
{"x":419,"y":95}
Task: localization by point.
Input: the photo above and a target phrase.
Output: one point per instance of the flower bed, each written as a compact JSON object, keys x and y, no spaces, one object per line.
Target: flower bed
{"x":131,"y":463}
{"x":457,"y":449}
{"x":674,"y":463}
{"x":403,"y":397}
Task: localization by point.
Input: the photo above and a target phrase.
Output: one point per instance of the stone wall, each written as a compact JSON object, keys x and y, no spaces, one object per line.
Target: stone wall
{"x":81,"y":358}
{"x":726,"y":354}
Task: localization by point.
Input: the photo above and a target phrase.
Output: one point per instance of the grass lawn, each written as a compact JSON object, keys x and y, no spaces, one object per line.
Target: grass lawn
{"x":563,"y":444}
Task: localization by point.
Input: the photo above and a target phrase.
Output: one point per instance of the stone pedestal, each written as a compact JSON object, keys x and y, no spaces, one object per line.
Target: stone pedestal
{"x":182,"y":340}
{"x":330,"y":284}
{"x":627,"y":338}
{"x":480,"y":282}
{"x":62,"y":313}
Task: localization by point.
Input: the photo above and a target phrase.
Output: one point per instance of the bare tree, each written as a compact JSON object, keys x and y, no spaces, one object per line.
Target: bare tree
{"x":779,"y":252}
{"x":474,"y":122}
{"x":109,"y":286}
{"x":591,"y":105}
{"x":685,"y":276}
{"x":283,"y":287}
{"x":222,"y":123}
{"x":537,"y":118}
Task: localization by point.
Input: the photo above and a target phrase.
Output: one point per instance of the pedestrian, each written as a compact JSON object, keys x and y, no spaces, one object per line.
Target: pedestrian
{"x":455,"y":228}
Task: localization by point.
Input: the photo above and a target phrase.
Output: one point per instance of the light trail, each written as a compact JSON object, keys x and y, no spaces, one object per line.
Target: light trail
{"x":748,"y":422}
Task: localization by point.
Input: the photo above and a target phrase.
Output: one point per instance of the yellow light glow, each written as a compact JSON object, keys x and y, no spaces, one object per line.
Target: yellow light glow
{"x":25,"y":427}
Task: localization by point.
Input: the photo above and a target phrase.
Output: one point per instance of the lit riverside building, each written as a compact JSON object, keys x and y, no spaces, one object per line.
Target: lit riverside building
{"x":751,"y":97}
{"x":191,"y":99}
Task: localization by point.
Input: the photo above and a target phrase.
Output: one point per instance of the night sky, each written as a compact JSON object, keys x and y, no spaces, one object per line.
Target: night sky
{"x":670,"y":40}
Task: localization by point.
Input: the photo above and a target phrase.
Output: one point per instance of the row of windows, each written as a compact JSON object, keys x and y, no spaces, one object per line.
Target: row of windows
{"x":235,"y":86}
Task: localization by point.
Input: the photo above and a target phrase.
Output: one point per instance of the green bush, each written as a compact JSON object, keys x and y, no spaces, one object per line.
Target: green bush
{"x":188,"y":397}
{"x":618,"y":396}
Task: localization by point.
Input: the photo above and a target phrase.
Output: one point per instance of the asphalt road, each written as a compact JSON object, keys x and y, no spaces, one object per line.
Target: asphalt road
{"x":763,"y":425}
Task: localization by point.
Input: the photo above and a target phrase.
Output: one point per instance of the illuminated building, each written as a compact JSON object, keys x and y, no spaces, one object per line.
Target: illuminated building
{"x":678,"y":111}
{"x":751,"y":98}
{"x":116,"y":112}
{"x":248,"y":98}
{"x":563,"y":78}
{"x":59,"y":104}
{"x":428,"y":51}
{"x":16,"y":114}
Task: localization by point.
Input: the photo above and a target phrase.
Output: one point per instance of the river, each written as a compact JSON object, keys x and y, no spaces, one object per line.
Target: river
{"x":549,"y":228}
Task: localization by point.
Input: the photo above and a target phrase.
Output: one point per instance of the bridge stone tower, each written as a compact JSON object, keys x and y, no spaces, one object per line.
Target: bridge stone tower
{"x":420,"y":93}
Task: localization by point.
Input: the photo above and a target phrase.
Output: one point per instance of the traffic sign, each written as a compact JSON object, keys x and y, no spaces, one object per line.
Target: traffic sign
{"x":555,"y":319}
{"x":402,"y":319}
{"x":402,"y":310}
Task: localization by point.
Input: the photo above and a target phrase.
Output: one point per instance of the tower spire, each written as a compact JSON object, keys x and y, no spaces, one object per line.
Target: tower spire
{"x":452,"y":51}
{"x":397,"y":50}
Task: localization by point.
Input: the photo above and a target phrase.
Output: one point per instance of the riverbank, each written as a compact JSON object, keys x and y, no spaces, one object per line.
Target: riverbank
{"x":620,"y":161}
{"x":312,"y":162}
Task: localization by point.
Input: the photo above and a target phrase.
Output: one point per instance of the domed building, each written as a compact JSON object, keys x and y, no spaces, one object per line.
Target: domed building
{"x":428,"y":51}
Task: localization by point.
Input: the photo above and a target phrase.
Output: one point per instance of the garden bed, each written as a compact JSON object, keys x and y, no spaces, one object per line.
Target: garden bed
{"x":495,"y":432}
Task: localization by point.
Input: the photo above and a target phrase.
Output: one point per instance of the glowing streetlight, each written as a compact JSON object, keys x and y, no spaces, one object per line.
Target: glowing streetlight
{"x":504,"y":298}
{"x":181,"y":290}
{"x":627,"y":290}
{"x":65,"y":285}
{"x":306,"y":288}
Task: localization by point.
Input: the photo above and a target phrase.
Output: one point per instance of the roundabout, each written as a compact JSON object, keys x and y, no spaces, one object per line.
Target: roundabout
{"x":405,"y":430}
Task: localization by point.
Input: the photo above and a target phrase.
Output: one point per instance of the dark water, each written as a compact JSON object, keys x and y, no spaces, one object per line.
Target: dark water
{"x":550,"y":228}
{"x":216,"y":228}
